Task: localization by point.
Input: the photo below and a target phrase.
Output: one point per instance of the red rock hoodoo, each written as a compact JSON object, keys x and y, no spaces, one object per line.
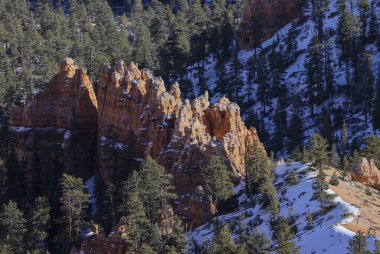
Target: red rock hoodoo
{"x":139,"y":117}
{"x":56,"y":130}
{"x":134,"y":116}
{"x":366,"y":173}
{"x":262,"y":18}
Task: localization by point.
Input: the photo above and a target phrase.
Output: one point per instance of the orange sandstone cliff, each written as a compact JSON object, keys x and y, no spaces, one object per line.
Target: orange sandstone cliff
{"x":139,"y":117}
{"x":133,"y":116}
{"x":56,"y":130}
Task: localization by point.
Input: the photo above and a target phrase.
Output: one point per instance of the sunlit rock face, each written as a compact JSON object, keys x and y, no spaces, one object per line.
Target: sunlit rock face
{"x":366,"y":173}
{"x":138,"y":117}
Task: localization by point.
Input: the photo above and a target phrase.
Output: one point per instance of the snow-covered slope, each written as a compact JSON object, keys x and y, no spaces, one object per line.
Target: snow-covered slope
{"x":295,"y":80}
{"x":327,"y":236}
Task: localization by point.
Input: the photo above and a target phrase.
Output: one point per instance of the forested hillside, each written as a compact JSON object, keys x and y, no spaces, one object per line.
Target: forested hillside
{"x":166,"y":37}
{"x":319,"y":73}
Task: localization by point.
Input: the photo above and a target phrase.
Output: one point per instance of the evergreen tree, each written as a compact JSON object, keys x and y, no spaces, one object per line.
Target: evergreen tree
{"x":3,"y":182}
{"x":318,"y":150}
{"x":12,"y":228}
{"x":74,"y":202}
{"x":314,"y":72}
{"x":358,"y":244}
{"x":284,"y":236}
{"x":154,"y":188}
{"x":376,"y":111}
{"x":334,"y":180}
{"x":38,"y":225}
{"x":223,"y":243}
{"x":234,"y":78}
{"x":254,"y":242}
{"x":217,"y":179}
{"x":292,"y":178}
{"x":137,"y":222}
{"x":310,"y":221}
{"x":344,"y":139}
{"x":372,"y":149}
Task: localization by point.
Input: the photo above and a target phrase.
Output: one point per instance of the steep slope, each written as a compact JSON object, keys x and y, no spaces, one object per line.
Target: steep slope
{"x":331,"y":231}
{"x":292,"y":88}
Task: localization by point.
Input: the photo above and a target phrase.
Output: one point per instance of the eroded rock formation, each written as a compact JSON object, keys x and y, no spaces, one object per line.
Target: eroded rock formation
{"x":133,"y":116}
{"x":56,"y":130}
{"x":262,"y":18}
{"x":97,"y":243}
{"x":139,"y":117}
{"x":366,"y":173}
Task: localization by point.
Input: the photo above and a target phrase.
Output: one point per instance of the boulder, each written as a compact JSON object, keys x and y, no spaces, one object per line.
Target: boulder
{"x":366,"y":173}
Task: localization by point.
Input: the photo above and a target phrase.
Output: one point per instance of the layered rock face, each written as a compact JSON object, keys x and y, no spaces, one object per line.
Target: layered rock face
{"x":139,"y":117}
{"x":56,"y":130}
{"x":366,"y":173}
{"x":262,"y":18}
{"x":59,"y":130}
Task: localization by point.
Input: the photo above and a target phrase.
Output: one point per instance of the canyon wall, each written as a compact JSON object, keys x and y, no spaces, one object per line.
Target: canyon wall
{"x":262,"y":18}
{"x":139,"y":117}
{"x":56,"y":130}
{"x":64,"y":128}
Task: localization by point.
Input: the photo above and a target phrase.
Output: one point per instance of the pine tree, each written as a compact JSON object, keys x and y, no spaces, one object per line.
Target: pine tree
{"x":334,"y":160}
{"x":3,"y":182}
{"x":234,"y":78}
{"x":137,"y":222}
{"x":223,"y":243}
{"x":39,"y":225}
{"x":254,"y":242}
{"x":372,"y":149}
{"x":310,"y":220}
{"x":358,"y":244}
{"x":376,"y":111}
{"x":292,"y":178}
{"x":12,"y":228}
{"x":314,"y":72}
{"x":344,"y":139}
{"x":284,"y":236}
{"x":334,"y":180}
{"x":153,"y":186}
{"x":318,"y":150}
{"x":177,"y":240}
{"x":217,"y":179}
{"x":74,"y":202}
{"x":349,"y":30}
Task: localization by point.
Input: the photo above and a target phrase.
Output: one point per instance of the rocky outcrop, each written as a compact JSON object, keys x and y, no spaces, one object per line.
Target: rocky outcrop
{"x":96,"y":242}
{"x":59,"y":129}
{"x":139,"y":117}
{"x":366,"y":173}
{"x":262,"y":18}
{"x":200,"y":208}
{"x":56,"y":130}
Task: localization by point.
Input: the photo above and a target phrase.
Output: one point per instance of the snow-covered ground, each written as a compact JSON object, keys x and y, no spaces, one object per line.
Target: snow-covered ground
{"x":295,"y":78}
{"x":327,"y":236}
